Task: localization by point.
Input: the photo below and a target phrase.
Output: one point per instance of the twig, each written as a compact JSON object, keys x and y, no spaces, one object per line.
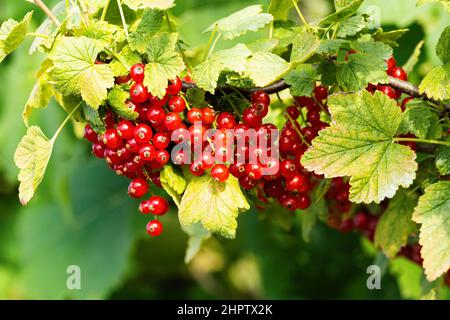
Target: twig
{"x":122,"y":17}
{"x":47,"y":11}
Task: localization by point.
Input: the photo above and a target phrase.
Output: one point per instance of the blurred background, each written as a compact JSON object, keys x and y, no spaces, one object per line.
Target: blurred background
{"x":83,"y":216}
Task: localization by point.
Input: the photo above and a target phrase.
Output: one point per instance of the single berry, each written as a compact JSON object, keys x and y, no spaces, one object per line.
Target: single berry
{"x":398,"y":73}
{"x":387,"y":90}
{"x":226,"y":120}
{"x":196,"y":168}
{"x":303,"y":202}
{"x":157,"y":205}
{"x":254,"y":171}
{"x":247,"y":183}
{"x":162,"y":157}
{"x":172,"y":121}
{"x":208,"y":115}
{"x":293,"y":112}
{"x":262,"y":97}
{"x":261,"y":109}
{"x":174,"y":87}
{"x":138,"y":188}
{"x":194,"y":115}
{"x":125,"y":129}
{"x":98,"y":150}
{"x":147,"y":152}
{"x":90,"y":134}
{"x":207,"y":160}
{"x":132,"y":145}
{"x":274,"y":188}
{"x":298,"y":183}
{"x":137,"y":72}
{"x":112,"y":139}
{"x":156,"y":115}
{"x":143,"y":133}
{"x":139,"y":93}
{"x":161,"y":140}
{"x":288,"y":168}
{"x":220,"y":172}
{"x":320,"y":93}
{"x":237,"y":170}
{"x":154,"y":228}
{"x":289,"y":202}
{"x":177,"y":104}
{"x":391,"y":64}
{"x":251,"y":118}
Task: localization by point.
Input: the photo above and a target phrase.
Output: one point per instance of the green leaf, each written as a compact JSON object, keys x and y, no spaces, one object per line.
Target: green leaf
{"x":262,"y":45}
{"x":331,"y":46}
{"x":390,"y":37}
{"x":164,"y":63}
{"x":215,"y":204}
{"x":207,"y":73}
{"x":432,"y":213}
{"x":408,"y":275}
{"x":265,"y":67}
{"x":327,"y":70}
{"x":150,"y":24}
{"x":248,"y":19}
{"x":93,"y":117}
{"x":351,"y":26}
{"x":395,"y":224}
{"x":279,"y":9}
{"x":366,"y":66}
{"x":308,"y":217}
{"x":342,"y":13}
{"x":443,"y":46}
{"x":173,"y":182}
{"x":436,"y":84}
{"x":197,"y":235}
{"x":339,"y":4}
{"x":76,"y":72}
{"x":122,"y":63}
{"x":116,"y":100}
{"x":302,"y":80}
{"x":31,"y":157}
{"x":303,"y":47}
{"x":102,"y":32}
{"x":443,"y":160}
{"x":149,"y":4}
{"x":196,"y":98}
{"x":359,"y":144}
{"x":420,"y":119}
{"x":12,"y":33}
{"x":414,"y":58}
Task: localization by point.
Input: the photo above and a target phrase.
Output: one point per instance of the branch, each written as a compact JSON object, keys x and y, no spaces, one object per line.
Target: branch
{"x":47,"y":11}
{"x":280,"y":85}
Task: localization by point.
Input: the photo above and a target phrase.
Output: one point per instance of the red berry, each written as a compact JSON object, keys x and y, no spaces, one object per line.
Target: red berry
{"x":147,"y":152}
{"x":172,"y":121}
{"x":313,"y":117}
{"x":261,"y":109}
{"x":156,"y":102}
{"x":288,"y":168}
{"x":177,"y":104}
{"x":398,"y":73}
{"x":320,"y":93}
{"x":293,"y":112}
{"x":298,"y":183}
{"x":138,"y":188}
{"x":261,"y":96}
{"x":90,"y":134}
{"x":309,"y":133}
{"x":158,"y":205}
{"x":156,"y":115}
{"x":161,"y":140}
{"x":274,"y":188}
{"x":174,"y":87}
{"x":137,"y":72}
{"x":253,"y":171}
{"x":387,"y":91}
{"x":139,"y":93}
{"x":154,"y":228}
{"x":196,"y":168}
{"x":132,"y":145}
{"x":226,"y":120}
{"x":208,"y":115}
{"x":391,"y":64}
{"x":289,"y":202}
{"x":98,"y":150}
{"x":162,"y":157}
{"x":122,"y":79}
{"x":247,"y":183}
{"x":220,"y":172}
{"x":303,"y":202}
{"x":285,"y":144}
{"x":111,"y":157}
{"x":346,"y":226}
{"x":207,"y":160}
{"x":143,"y":133}
{"x":112,"y":139}
{"x":125,"y":129}
{"x":405,"y":102}
{"x":361,"y":221}
{"x":194,"y":115}
{"x":251,"y":118}
{"x":124,"y":154}
{"x":237,"y":170}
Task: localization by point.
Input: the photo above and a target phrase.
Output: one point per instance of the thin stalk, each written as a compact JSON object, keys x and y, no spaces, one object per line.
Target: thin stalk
{"x":104,"y":10}
{"x":122,"y":17}
{"x":210,"y":41}
{"x":39,"y":35}
{"x":299,"y":12}
{"x":47,"y":11}
{"x":231,"y":103}
{"x":443,"y":143}
{"x":294,"y":125}
{"x":211,"y":50}
{"x":84,"y":12}
{"x":55,"y":136}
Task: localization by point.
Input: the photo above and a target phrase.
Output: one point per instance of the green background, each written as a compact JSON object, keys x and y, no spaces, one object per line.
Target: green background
{"x":82,"y":216}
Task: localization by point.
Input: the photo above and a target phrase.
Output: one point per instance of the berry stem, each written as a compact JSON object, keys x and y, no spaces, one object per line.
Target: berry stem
{"x":105,"y":9}
{"x":213,"y":46}
{"x":294,"y":125}
{"x":300,"y":14}
{"x":39,"y":35}
{"x":443,"y":143}
{"x":210,"y":41}
{"x":122,"y":17}
{"x":58,"y":131}
{"x":47,"y":11}
{"x":236,"y":111}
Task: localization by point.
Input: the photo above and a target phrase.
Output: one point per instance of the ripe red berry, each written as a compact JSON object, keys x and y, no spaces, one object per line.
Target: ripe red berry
{"x":361,"y":221}
{"x":220,"y":172}
{"x":303,"y":202}
{"x":288,"y":168}
{"x":298,"y":183}
{"x":251,"y":118}
{"x":122,"y":79}
{"x":156,"y":115}
{"x":320,"y":93}
{"x":162,"y":157}
{"x":196,"y":168}
{"x":226,"y":120}
{"x":139,"y":93}
{"x":391,"y":64}
{"x":247,"y":183}
{"x":98,"y":150}
{"x":143,"y":133}
{"x":174,"y":87}
{"x":124,"y":154}
{"x":313,"y":117}
{"x":112,"y":139}
{"x":207,"y":160}
{"x":288,"y":201}
{"x":177,"y":104}
{"x":111,"y":156}
{"x":237,"y":170}
{"x":161,"y":140}
{"x":154,"y":228}
{"x":293,"y":112}
{"x":254,"y":171}
{"x":398,"y":73}
{"x":138,"y":188}
{"x":261,"y":96}
{"x":156,"y":205}
{"x":208,"y":115}
{"x":147,"y":152}
{"x":137,"y":72}
{"x":172,"y":121}
{"x":405,"y":102}
{"x":262,"y":109}
{"x":194,"y":115}
{"x":90,"y":134}
{"x":387,"y":91}
{"x":125,"y":129}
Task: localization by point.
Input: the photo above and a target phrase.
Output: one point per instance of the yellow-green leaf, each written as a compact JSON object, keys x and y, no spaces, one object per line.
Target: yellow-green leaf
{"x":116,"y":99}
{"x":265,"y":67}
{"x":12,"y":33}
{"x":173,"y":182}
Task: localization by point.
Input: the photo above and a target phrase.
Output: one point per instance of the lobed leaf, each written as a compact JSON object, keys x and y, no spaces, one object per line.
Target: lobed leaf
{"x":12,"y":33}
{"x":116,"y":100}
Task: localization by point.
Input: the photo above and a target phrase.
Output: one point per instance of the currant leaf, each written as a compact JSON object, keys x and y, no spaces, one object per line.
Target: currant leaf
{"x":308,"y":218}
{"x":197,"y":235}
{"x":116,"y":100}
{"x":443,"y":46}
{"x":265,"y":67}
{"x":173,"y":182}
{"x":239,"y":23}
{"x":76,"y":72}
{"x":93,"y":118}
{"x":215,"y":204}
{"x":31,"y":157}
{"x":396,"y":224}
{"x":389,"y":37}
{"x":432,"y":213}
{"x":12,"y":33}
{"x":443,"y":160}
{"x":207,"y":73}
{"x":341,"y":13}
{"x":123,"y":61}
{"x":360,"y":144}
{"x":436,"y":84}
{"x":149,"y":4}
{"x":149,"y":25}
{"x":351,"y":26}
{"x":414,"y":58}
{"x":279,"y":9}
{"x":196,"y":98}
{"x":303,"y":47}
{"x":302,"y":80}
{"x":164,"y":63}
{"x":421,"y":120}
